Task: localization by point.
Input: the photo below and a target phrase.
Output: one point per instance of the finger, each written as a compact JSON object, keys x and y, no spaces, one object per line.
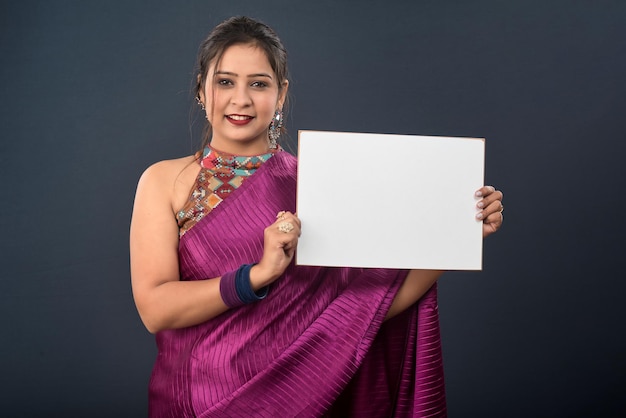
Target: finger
{"x":289,"y":224}
{"x":284,"y":238}
{"x":278,"y":235}
{"x":284,"y":230}
{"x":293,"y":218}
{"x":497,"y":195}
{"x":494,"y":219}
{"x":484,"y":191}
{"x":283,"y":216}
{"x":492,"y":224}
{"x":286,"y":233}
{"x":289,"y":247}
{"x":494,"y":207}
{"x":290,"y":244}
{"x":289,"y":217}
{"x":290,"y":252}
{"x":490,"y":228}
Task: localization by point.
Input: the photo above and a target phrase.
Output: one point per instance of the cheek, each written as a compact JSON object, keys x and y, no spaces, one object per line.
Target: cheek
{"x":269,"y":105}
{"x":209,"y":94}
{"x":213,"y":102}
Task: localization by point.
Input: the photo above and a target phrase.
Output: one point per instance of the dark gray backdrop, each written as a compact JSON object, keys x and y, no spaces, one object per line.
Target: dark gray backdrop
{"x":94,"y":92}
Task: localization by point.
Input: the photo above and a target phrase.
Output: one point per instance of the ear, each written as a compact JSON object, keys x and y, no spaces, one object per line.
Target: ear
{"x":283,"y":94}
{"x":201,"y":89}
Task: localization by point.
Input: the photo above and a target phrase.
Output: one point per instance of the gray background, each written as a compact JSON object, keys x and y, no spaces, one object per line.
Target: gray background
{"x":93,"y":92}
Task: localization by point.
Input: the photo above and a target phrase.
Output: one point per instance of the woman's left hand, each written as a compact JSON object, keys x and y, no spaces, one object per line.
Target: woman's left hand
{"x":491,"y":208}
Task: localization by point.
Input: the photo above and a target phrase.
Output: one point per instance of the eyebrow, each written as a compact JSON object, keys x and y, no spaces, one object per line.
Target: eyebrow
{"x":249,"y":75}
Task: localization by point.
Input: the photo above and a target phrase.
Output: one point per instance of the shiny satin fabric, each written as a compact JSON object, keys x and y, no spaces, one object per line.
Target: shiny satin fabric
{"x":316,"y":346}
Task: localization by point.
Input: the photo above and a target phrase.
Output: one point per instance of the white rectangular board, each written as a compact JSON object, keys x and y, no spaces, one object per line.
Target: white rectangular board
{"x":389,"y":201}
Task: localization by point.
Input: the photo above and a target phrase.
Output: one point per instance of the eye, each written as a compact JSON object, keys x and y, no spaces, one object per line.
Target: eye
{"x":260,"y":84}
{"x":224,"y":82}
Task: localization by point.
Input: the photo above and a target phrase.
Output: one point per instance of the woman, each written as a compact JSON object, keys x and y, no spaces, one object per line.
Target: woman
{"x":241,"y":330}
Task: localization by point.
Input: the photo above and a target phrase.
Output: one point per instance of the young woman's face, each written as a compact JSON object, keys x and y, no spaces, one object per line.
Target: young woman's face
{"x":240,"y":97}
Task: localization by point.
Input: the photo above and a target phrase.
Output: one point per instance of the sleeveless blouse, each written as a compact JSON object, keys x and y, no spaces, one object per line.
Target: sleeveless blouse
{"x":220,"y":174}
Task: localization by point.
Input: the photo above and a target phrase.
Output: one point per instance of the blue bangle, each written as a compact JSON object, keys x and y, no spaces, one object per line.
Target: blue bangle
{"x":244,"y":288}
{"x":236,"y":289}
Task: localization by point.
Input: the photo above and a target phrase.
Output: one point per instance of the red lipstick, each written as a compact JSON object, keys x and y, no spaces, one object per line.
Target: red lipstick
{"x":239,"y":120}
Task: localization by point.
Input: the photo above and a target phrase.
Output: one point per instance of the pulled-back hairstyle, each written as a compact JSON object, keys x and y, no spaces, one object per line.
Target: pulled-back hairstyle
{"x":233,"y":31}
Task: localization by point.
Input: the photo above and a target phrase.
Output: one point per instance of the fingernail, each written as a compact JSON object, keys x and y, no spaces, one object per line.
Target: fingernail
{"x":479,"y":215}
{"x":480,"y":204}
{"x":479,"y":194}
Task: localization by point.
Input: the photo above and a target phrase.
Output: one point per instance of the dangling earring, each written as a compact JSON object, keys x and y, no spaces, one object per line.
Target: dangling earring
{"x":203,"y":109}
{"x":275,"y":125}
{"x":200,"y":102}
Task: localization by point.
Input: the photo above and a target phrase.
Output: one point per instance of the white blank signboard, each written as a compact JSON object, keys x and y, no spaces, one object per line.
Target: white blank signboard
{"x":392,"y":201}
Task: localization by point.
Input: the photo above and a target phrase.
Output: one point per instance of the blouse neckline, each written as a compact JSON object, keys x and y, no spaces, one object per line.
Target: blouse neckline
{"x":237,"y":165}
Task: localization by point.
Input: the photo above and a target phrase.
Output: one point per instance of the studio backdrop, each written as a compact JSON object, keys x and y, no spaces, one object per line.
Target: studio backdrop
{"x":94,"y":92}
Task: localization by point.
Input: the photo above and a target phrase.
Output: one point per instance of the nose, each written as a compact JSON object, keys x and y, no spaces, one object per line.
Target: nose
{"x":241,"y":96}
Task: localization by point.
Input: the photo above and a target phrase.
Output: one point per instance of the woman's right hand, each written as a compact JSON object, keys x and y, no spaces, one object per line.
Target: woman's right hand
{"x":280,"y":242}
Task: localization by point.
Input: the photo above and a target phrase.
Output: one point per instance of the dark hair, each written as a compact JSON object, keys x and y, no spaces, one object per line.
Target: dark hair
{"x":233,"y":31}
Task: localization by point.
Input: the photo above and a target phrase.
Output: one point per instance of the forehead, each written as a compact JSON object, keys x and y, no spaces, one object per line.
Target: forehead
{"x":244,"y":59}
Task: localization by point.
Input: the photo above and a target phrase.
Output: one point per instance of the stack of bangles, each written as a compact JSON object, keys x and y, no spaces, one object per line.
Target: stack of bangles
{"x":236,"y":289}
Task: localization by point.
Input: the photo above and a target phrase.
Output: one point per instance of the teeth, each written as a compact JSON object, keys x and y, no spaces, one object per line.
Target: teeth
{"x":239,"y":117}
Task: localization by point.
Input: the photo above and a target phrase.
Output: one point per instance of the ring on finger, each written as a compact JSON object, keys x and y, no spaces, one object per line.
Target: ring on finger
{"x":285,"y":227}
{"x":281,"y":215}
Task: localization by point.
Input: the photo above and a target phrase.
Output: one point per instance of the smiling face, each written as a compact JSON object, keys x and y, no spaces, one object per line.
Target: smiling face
{"x":241,"y":96}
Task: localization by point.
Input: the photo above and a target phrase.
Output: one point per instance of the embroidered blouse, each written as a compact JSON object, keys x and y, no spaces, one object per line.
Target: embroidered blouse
{"x":220,"y":174}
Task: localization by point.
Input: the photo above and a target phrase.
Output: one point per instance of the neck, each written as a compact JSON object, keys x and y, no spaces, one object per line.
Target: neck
{"x":242,"y":149}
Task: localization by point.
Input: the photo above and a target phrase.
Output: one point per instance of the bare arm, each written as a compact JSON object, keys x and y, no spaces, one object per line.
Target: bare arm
{"x":163,"y":301}
{"x":415,"y":286}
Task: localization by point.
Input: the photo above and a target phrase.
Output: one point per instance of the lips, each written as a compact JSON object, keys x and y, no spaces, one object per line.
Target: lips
{"x":239,"y":119}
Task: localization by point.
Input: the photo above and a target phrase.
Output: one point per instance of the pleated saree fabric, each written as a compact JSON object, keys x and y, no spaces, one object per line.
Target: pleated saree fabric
{"x":316,"y":346}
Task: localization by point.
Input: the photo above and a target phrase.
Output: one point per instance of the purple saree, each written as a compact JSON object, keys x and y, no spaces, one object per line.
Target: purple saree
{"x":316,"y":346}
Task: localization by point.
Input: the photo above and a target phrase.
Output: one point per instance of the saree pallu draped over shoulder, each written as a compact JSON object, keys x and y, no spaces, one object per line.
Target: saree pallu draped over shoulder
{"x":316,"y":346}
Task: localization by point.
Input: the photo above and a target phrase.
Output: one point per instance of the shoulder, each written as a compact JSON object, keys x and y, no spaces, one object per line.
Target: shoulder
{"x":167,"y":169}
{"x":165,"y":180}
{"x":167,"y":173}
